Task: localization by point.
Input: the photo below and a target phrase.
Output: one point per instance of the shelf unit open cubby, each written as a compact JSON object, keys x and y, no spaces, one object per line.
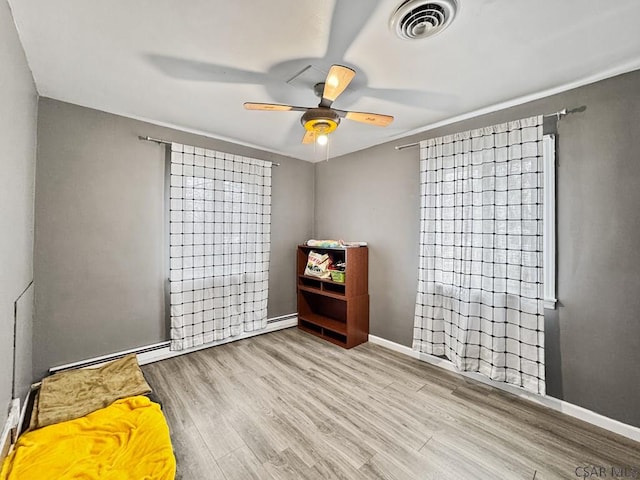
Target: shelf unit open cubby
{"x":335,"y":311}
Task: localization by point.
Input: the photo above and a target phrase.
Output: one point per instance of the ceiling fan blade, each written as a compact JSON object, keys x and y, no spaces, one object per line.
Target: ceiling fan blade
{"x":185,"y":69}
{"x":309,"y":137}
{"x":347,"y":21}
{"x":273,"y":107}
{"x":338,"y":79}
{"x":376,"y":119}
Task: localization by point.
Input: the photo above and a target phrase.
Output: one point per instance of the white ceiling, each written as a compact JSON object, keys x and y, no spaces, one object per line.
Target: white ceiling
{"x":192,"y":65}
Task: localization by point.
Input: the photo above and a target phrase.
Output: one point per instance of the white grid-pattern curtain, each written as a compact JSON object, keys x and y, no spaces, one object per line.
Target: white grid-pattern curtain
{"x":480,"y":293}
{"x":220,"y":227}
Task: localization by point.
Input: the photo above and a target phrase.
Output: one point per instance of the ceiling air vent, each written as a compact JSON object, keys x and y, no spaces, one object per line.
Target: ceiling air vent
{"x":421,"y":18}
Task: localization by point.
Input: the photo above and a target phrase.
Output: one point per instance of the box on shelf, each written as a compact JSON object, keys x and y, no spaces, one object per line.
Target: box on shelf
{"x":337,"y":276}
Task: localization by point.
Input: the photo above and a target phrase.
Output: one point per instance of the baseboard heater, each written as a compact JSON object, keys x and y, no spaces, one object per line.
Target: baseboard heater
{"x":107,"y":358}
{"x":282,"y":318}
{"x":160,"y":351}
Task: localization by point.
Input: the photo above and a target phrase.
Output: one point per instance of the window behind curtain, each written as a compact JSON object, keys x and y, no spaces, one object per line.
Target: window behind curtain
{"x":220,"y":225}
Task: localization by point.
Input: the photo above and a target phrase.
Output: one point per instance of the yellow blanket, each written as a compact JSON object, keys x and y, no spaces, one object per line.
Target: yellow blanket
{"x":128,"y":440}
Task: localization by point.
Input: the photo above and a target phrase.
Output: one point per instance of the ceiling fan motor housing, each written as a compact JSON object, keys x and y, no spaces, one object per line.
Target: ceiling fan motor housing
{"x":322,"y":120}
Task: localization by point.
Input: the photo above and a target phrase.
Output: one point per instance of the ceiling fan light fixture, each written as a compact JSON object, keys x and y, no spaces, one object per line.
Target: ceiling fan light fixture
{"x":321,"y":129}
{"x":322,"y":139}
{"x":415,"y":19}
{"x":320,"y":120}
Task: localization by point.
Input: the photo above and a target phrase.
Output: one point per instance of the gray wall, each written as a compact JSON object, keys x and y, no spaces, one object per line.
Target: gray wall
{"x":100,"y":232}
{"x":18,"y":104}
{"x":592,"y":349}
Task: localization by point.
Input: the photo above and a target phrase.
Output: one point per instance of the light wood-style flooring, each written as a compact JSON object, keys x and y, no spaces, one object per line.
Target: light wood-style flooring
{"x":287,"y":405}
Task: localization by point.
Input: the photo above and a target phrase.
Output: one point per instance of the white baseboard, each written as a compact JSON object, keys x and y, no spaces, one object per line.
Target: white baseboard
{"x":567,"y":408}
{"x":162,"y":351}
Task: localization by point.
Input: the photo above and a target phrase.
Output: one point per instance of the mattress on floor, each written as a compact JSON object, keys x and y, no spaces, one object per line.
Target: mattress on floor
{"x":128,"y":440}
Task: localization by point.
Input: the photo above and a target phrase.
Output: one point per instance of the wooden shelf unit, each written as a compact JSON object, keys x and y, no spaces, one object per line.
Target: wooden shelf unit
{"x":337,"y":312}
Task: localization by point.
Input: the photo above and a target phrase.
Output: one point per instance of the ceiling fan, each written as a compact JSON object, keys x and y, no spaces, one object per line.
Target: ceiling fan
{"x":321,"y":120}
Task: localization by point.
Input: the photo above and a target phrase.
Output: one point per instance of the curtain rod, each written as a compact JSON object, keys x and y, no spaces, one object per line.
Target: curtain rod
{"x":167,"y":142}
{"x":558,"y":114}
